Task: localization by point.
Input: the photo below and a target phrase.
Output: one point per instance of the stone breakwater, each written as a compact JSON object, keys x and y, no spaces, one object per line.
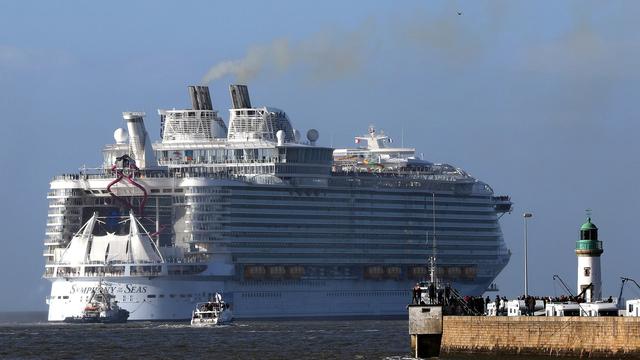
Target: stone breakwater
{"x":554,"y":336}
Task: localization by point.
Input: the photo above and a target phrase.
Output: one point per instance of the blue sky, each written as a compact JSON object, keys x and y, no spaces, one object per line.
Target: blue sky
{"x":537,"y":98}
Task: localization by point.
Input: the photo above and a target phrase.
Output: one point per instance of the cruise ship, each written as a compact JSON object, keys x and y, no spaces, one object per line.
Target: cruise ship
{"x":279,"y":225}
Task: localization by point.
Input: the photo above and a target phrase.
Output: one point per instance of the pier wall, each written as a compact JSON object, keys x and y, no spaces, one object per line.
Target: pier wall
{"x":556,"y":336}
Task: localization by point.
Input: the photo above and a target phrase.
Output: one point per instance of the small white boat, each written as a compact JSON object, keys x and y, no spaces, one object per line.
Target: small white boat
{"x":212,"y":313}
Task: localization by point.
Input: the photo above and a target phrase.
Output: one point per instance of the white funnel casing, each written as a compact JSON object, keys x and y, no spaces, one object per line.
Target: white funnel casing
{"x":139,"y":142}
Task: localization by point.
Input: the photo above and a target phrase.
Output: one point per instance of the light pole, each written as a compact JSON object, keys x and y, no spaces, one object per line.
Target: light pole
{"x":526,"y":216}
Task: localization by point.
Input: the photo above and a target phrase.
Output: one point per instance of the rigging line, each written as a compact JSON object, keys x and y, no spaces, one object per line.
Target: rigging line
{"x":137,"y":308}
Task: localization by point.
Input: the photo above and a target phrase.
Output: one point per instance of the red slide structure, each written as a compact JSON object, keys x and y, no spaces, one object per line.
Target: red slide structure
{"x":127,"y":164}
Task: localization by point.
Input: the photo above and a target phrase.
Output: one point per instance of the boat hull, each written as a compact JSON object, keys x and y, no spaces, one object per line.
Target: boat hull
{"x":119,"y":318}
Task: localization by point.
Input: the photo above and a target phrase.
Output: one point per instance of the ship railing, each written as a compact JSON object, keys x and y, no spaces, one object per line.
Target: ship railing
{"x":108,"y":264}
{"x":186,"y":261}
{"x":107,"y":174}
{"x":268,"y":160}
{"x":106,"y":274}
{"x":411,"y":174}
{"x":502,"y":198}
{"x":461,"y":301}
{"x":223,"y":173}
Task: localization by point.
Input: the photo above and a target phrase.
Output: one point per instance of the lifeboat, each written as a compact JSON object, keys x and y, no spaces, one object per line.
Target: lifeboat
{"x":295,"y":272}
{"x":418,"y":272}
{"x":374,"y":272}
{"x":254,"y":272}
{"x":276,"y":272}
{"x":454,"y":272}
{"x":469,"y":272}
{"x":393,"y":272}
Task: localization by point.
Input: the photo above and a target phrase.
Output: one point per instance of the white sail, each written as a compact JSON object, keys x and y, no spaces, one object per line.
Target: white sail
{"x":140,"y":244}
{"x":117,"y":251}
{"x":99,"y":246}
{"x":76,"y":253}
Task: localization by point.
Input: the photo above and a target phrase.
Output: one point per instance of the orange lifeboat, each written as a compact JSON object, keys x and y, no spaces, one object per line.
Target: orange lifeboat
{"x":418,"y":272}
{"x":254,"y":272}
{"x":295,"y":272}
{"x":454,"y":272}
{"x":469,"y":272}
{"x":374,"y":272}
{"x":393,"y":272}
{"x":276,"y":272}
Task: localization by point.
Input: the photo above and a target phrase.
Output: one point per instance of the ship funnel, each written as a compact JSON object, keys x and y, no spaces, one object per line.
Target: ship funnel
{"x":200,"y":98}
{"x":240,"y":96}
{"x":139,"y":142}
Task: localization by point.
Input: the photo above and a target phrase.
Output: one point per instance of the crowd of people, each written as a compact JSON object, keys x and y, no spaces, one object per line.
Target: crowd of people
{"x":453,"y":304}
{"x":529,"y":304}
{"x":448,"y":297}
{"x":533,"y":303}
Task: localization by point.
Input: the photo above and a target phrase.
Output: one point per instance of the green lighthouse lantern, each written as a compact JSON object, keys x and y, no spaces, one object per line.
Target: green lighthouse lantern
{"x":589,"y":244}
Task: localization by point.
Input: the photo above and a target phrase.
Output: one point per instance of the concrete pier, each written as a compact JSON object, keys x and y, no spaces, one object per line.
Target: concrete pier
{"x":608,"y":336}
{"x":425,"y":329}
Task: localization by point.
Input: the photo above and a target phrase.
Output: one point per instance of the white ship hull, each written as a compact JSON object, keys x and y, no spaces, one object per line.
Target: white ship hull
{"x":140,"y":296}
{"x":166,"y":299}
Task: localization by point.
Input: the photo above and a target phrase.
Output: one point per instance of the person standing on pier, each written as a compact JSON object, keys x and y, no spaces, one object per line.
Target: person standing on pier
{"x":432,"y":293}
{"x":416,"y":294}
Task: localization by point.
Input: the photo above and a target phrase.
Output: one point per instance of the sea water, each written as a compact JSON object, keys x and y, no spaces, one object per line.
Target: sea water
{"x":29,"y":336}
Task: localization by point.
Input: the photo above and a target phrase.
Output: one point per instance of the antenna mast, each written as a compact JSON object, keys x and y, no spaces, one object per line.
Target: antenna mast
{"x":432,"y":258}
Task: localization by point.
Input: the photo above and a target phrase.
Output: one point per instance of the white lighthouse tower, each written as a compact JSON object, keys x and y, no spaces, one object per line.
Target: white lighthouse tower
{"x":588,"y":250}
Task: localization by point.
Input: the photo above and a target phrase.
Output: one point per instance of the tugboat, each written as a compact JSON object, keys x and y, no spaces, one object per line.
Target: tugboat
{"x":212,"y":313}
{"x":101,"y":308}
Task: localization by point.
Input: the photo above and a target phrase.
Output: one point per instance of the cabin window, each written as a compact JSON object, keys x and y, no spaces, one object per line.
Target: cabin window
{"x":587,"y":271}
{"x":151,"y":296}
{"x":630,"y":307}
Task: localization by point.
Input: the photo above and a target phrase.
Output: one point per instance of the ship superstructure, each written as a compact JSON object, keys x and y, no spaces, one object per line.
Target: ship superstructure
{"x":280,"y":225}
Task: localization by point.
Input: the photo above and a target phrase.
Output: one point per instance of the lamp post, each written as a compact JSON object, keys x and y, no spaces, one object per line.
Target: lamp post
{"x":526,"y":216}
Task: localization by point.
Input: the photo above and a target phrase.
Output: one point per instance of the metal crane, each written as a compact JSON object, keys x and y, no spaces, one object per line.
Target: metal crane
{"x":624,"y":280}
{"x":557,"y":277}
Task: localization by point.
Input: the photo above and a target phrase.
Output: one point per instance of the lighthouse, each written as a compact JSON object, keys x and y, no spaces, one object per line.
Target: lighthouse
{"x":588,"y":250}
